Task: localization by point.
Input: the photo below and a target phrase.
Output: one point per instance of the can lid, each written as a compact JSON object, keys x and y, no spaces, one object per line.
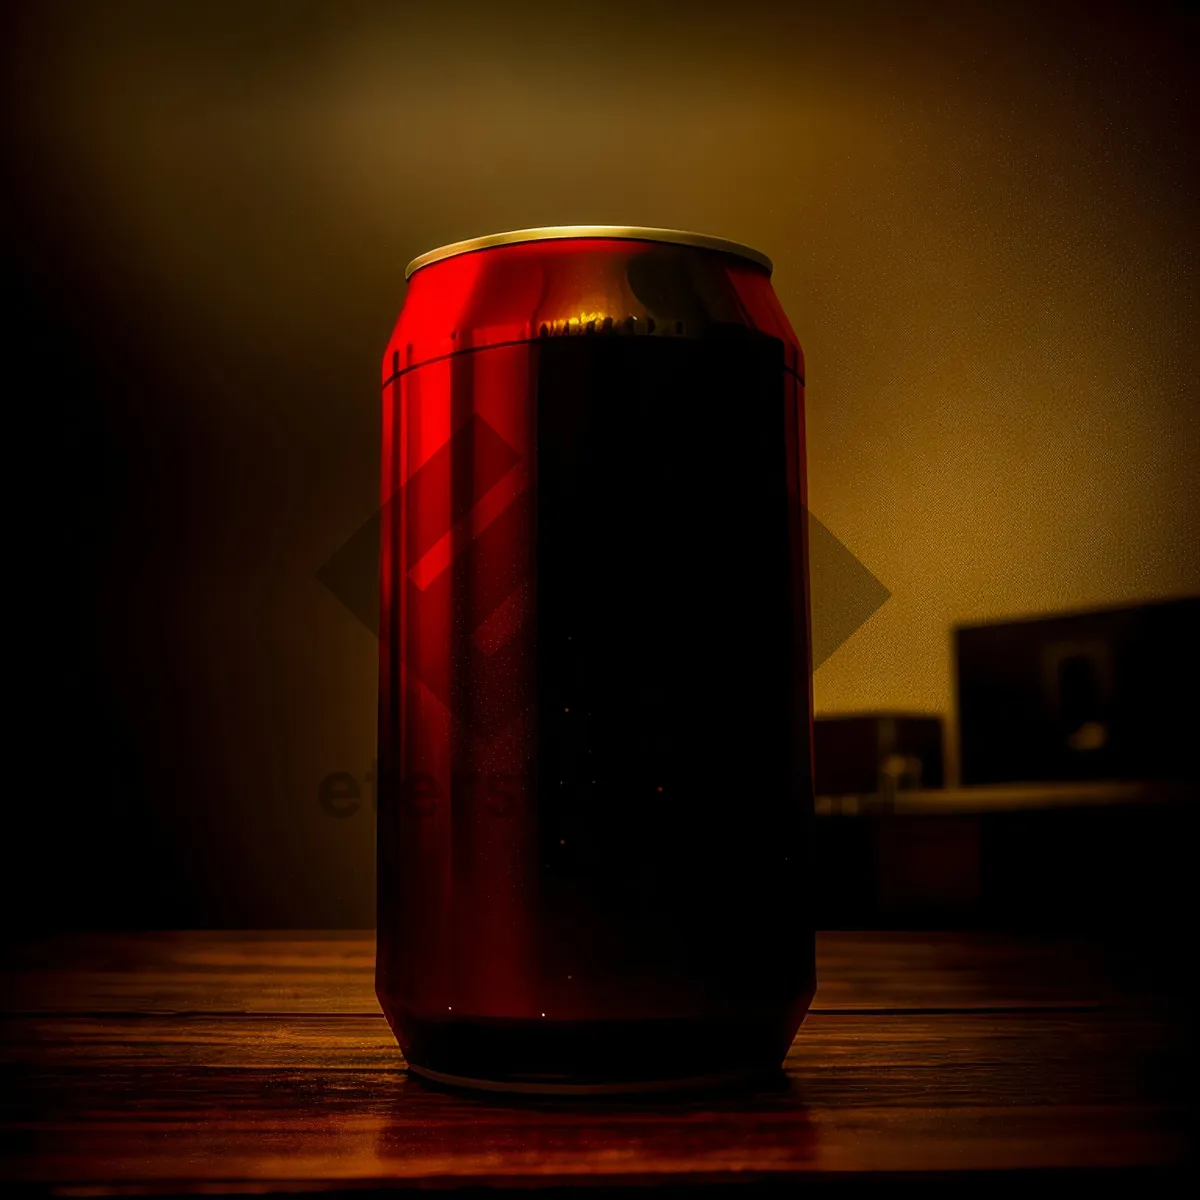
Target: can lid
{"x":547,"y":233}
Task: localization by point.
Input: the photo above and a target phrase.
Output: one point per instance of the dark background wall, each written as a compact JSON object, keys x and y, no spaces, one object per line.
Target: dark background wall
{"x":983,"y":229}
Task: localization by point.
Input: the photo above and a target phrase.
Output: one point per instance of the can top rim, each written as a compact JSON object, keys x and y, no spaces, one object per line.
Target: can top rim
{"x":546,"y":233}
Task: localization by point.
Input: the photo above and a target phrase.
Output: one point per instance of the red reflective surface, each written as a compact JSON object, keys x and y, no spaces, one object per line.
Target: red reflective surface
{"x":595,"y":706}
{"x":506,"y":294}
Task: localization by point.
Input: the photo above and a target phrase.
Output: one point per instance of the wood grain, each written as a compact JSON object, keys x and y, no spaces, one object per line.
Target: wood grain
{"x":255,"y":972}
{"x":204,"y":1062}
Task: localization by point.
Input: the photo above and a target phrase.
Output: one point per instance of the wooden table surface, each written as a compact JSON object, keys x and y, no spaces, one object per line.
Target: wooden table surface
{"x":227,"y":1062}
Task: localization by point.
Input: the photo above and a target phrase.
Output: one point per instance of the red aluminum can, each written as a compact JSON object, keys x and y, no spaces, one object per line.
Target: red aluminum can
{"x":595,"y":702}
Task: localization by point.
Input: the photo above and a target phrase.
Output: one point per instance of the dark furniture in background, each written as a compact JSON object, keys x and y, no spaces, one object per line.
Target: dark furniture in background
{"x":1081,"y":782}
{"x":876,"y":752}
{"x":1112,"y":694}
{"x":1112,"y":861}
